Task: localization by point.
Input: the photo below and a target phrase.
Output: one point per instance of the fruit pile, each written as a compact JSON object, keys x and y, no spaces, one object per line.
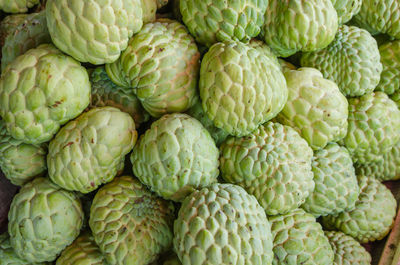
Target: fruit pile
{"x":199,"y":132}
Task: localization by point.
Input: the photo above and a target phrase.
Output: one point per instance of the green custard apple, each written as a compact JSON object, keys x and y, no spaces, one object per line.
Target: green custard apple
{"x":43,"y":220}
{"x":336,"y":187}
{"x":222,"y":225}
{"x":130,"y":224}
{"x":273,"y":164}
{"x":373,"y":215}
{"x":346,"y":9}
{"x":17,"y":6}
{"x":236,"y":91}
{"x":390,"y":58}
{"x":315,"y":108}
{"x":213,"y":21}
{"x":40,"y":91}
{"x":94,"y":31}
{"x":175,"y":156}
{"x":90,"y":150}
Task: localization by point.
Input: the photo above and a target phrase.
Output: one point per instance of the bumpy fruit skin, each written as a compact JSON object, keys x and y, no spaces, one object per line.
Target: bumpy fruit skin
{"x":299,"y":239}
{"x":386,"y":169}
{"x":17,"y":6}
{"x":20,"y":33}
{"x":213,"y":21}
{"x":106,"y":93}
{"x":82,"y":251}
{"x":380,"y":16}
{"x":129,"y":223}
{"x":286,"y":32}
{"x":221,"y":225}
{"x":273,"y":164}
{"x":373,"y":215}
{"x":374,"y":127}
{"x":346,"y":9}
{"x":351,"y":60}
{"x":237,"y":93}
{"x":20,"y":162}
{"x":347,"y":250}
{"x":396,"y":98}
{"x":172,"y":259}
{"x":43,"y":220}
{"x":161,"y":64}
{"x":315,"y":107}
{"x":149,"y":9}
{"x":390,"y":58}
{"x":93,"y":31}
{"x":336,"y":187}
{"x":176,"y":155}
{"x":90,"y":150}
{"x":40,"y":91}
{"x":216,"y":133}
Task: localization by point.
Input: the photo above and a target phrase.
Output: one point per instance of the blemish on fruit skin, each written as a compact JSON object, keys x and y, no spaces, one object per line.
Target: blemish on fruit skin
{"x":68,"y":144}
{"x":92,"y":184}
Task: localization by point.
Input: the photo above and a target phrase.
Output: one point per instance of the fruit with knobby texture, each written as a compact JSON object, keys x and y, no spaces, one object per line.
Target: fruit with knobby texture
{"x":43,"y":220}
{"x":396,"y":98}
{"x":386,"y":169}
{"x":20,"y":33}
{"x":40,"y":91}
{"x":380,"y":17}
{"x":297,"y":25}
{"x":390,"y":58}
{"x":106,"y":93}
{"x":373,"y":215}
{"x":172,"y":259}
{"x":346,"y":9}
{"x":161,"y":65}
{"x":351,"y":60}
{"x":82,"y":251}
{"x":374,"y":127}
{"x":299,"y":239}
{"x":90,"y":150}
{"x":221,"y":225}
{"x":336,"y":187}
{"x":20,"y":162}
{"x":347,"y":250}
{"x":130,"y":224}
{"x":237,"y":92}
{"x":213,"y":21}
{"x":149,"y":9}
{"x":175,"y":156}
{"x":273,"y":164}
{"x":315,"y":107}
{"x":17,"y":6}
{"x":93,"y":31}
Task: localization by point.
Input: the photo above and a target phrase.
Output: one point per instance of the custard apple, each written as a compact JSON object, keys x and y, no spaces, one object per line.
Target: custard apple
{"x":212,"y":21}
{"x":217,"y":134}
{"x":346,"y":9}
{"x":172,"y":259}
{"x":386,"y":169}
{"x":40,"y":91}
{"x":90,"y":150}
{"x":222,"y":225}
{"x":396,"y":98}
{"x":373,"y":215}
{"x":83,"y":251}
{"x":237,"y":92}
{"x":351,"y":60}
{"x":129,"y":223}
{"x":297,"y":25}
{"x":175,"y":156}
{"x":264,"y":49}
{"x":347,"y":250}
{"x":299,"y":239}
{"x":315,"y":107}
{"x":20,"y":33}
{"x":380,"y":17}
{"x":336,"y":187}
{"x":390,"y":58}
{"x":374,"y":127}
{"x":17,"y":6}
{"x":286,"y":65}
{"x":161,"y":65}
{"x":43,"y":220}
{"x":106,"y":93}
{"x":94,"y":31}
{"x":273,"y":164}
{"x":20,"y":162}
{"x":149,"y":9}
